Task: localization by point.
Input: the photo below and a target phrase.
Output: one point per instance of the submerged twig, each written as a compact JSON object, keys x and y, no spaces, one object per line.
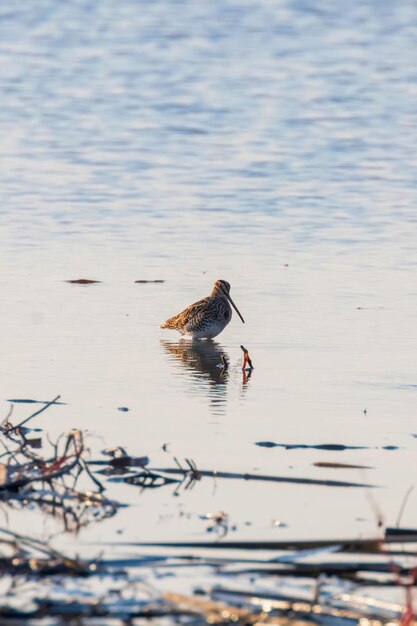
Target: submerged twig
{"x":14,"y":428}
{"x":196,"y":474}
{"x":369,"y":546}
{"x":403,"y":504}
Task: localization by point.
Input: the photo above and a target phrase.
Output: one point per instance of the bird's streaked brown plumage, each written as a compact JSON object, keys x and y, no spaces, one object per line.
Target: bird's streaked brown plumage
{"x":206,"y":318}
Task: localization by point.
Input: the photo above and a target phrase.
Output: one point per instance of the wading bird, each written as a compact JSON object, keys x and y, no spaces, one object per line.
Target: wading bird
{"x":206,"y":318}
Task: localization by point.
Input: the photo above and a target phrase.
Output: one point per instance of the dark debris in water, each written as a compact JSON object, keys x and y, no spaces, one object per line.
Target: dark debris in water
{"x":82,"y":281}
{"x":150,"y":480}
{"x":334,"y":447}
{"x":341,"y":465}
{"x":388,"y":544}
{"x":191,"y":475}
{"x":118,"y":457}
{"x":400,"y":532}
{"x":30,"y":401}
{"x":144,"y":281}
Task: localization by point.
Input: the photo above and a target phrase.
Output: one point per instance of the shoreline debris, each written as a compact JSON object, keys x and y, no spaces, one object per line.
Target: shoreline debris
{"x":50,"y":481}
{"x":42,"y":582}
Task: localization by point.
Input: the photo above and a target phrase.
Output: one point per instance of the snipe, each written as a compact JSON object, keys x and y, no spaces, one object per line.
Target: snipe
{"x":206,"y":318}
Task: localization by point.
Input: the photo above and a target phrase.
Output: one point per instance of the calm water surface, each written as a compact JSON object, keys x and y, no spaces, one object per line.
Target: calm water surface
{"x":271,"y":144}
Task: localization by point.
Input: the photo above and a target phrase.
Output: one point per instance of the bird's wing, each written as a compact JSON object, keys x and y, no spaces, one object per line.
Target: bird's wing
{"x":188,"y":319}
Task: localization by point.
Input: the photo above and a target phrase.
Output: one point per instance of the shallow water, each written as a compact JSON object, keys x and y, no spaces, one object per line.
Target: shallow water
{"x":269,"y":144}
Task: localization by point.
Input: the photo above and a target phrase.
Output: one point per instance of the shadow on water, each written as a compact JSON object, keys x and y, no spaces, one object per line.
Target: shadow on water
{"x":202,"y":363}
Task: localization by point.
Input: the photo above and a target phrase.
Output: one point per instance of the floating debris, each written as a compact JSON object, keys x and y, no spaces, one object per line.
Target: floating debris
{"x":191,"y":475}
{"x":219,"y":522}
{"x":124,"y":409}
{"x":334,"y":447}
{"x":371,"y":545}
{"x":30,"y":401}
{"x":341,"y":465}
{"x":276,"y":523}
{"x":118,"y":457}
{"x":82,"y":281}
{"x":7,"y":427}
{"x":150,"y":480}
{"x":34,"y":442}
{"x":370,"y":308}
{"x":400,"y":532}
{"x":143,"y":282}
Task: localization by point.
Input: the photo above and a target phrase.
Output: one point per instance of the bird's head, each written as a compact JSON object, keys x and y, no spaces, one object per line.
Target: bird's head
{"x":222,"y":287}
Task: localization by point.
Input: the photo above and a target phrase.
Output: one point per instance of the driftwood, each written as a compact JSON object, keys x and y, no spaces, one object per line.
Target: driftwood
{"x":195,"y":475}
{"x":363,"y":546}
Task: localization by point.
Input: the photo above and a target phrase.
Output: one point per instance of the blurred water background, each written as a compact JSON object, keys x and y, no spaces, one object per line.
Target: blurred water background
{"x":271,"y":144}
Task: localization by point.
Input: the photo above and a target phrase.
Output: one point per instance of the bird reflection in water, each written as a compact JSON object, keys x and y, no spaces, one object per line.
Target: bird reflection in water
{"x":202,"y":361}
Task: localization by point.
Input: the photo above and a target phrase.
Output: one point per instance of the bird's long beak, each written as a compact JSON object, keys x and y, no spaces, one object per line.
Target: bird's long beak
{"x":235,"y":307}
